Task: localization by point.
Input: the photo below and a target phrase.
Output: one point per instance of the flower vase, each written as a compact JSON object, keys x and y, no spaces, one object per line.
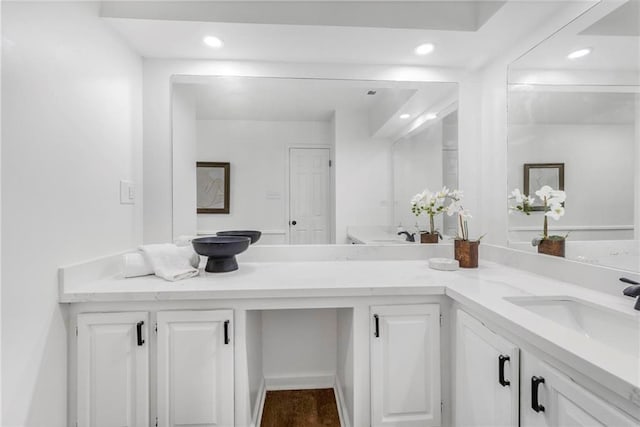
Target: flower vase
{"x":429,"y":237}
{"x":466,"y":252}
{"x":554,"y":247}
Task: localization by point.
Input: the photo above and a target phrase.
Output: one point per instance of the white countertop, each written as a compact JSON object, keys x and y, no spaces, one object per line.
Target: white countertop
{"x":482,"y":289}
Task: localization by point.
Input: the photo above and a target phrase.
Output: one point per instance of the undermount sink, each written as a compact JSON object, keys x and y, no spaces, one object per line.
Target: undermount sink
{"x":617,"y":330}
{"x":387,"y":241}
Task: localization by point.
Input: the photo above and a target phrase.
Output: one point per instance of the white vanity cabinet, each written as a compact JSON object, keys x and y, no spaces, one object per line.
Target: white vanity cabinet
{"x":405,"y":365}
{"x":551,"y":399}
{"x":195,"y":368}
{"x":486,"y":376}
{"x":112,"y":370}
{"x":194,"y":374}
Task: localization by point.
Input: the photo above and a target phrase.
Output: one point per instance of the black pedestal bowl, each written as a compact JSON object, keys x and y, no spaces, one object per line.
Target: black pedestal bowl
{"x":253,"y":234}
{"x":221,"y":250}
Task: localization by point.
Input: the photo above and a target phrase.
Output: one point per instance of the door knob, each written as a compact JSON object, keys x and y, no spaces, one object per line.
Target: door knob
{"x":294,"y":222}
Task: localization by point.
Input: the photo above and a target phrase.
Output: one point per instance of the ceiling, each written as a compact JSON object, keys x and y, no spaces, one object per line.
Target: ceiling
{"x":610,"y":28}
{"x":277,"y":99}
{"x":467,"y":34}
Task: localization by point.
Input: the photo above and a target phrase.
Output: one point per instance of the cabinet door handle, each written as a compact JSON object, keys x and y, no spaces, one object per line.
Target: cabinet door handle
{"x":376,"y":332}
{"x":226,"y":332}
{"x":502,"y":359}
{"x":535,"y":385}
{"x":139,"y":333}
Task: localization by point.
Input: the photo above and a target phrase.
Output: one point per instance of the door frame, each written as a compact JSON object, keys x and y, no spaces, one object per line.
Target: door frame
{"x":331,"y":193}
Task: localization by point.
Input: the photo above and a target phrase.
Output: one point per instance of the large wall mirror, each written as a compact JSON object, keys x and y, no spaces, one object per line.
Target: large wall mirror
{"x":310,"y":161}
{"x":574,"y":113}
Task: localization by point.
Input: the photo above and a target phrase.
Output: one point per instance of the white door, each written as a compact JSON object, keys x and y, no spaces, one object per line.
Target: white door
{"x":309,"y":196}
{"x":113,"y":369}
{"x":554,"y":400}
{"x":405,"y":365}
{"x":195,"y":368}
{"x":486,"y":376}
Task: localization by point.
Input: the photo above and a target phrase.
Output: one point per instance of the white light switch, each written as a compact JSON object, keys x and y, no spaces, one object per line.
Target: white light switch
{"x":127,"y":193}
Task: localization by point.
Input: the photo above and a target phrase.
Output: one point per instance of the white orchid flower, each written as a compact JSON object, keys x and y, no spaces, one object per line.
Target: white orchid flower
{"x":544,"y":192}
{"x":456,"y":195}
{"x":517,"y":195}
{"x":416,"y":199}
{"x":529,"y":200}
{"x":442,"y":193}
{"x":557,"y":197}
{"x":454,"y":207}
{"x":555,"y":212}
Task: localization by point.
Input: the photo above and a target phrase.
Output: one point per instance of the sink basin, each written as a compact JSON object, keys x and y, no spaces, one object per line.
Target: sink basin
{"x":388,"y":241}
{"x":254,"y":235}
{"x":615,"y":329}
{"x":221,"y":251}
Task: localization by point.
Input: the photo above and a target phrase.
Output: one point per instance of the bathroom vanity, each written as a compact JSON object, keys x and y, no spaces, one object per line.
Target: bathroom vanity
{"x":401,"y":344}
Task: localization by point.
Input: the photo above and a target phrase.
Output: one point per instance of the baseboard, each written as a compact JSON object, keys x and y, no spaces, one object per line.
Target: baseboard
{"x":257,"y":411}
{"x":300,"y":383}
{"x":341,"y":404}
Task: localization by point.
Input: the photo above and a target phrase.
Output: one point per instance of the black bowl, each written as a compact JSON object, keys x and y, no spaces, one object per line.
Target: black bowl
{"x":221,"y":250}
{"x":253,"y":234}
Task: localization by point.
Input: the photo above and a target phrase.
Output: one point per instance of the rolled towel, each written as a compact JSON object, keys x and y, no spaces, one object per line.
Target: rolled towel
{"x":170,"y":261}
{"x":135,"y":264}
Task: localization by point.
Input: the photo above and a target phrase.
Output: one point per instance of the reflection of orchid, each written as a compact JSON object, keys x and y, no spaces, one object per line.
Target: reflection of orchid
{"x":523,"y":203}
{"x":433,"y":204}
{"x":552,"y":201}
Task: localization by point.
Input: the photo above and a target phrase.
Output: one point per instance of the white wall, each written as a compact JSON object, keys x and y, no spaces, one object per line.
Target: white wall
{"x":185,"y":155}
{"x":599,"y":172}
{"x":417,"y":164}
{"x":258,"y":153}
{"x":299,"y":343}
{"x":363,"y":174}
{"x":71,"y":130}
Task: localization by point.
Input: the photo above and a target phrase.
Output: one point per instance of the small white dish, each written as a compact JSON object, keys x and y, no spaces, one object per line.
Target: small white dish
{"x":444,"y":264}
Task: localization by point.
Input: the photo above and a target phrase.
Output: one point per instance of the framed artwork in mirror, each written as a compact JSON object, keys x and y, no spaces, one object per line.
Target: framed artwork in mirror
{"x":212,"y":184}
{"x":537,"y":175}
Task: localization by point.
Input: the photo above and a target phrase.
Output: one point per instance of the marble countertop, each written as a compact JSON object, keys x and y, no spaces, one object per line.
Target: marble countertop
{"x":483,"y":289}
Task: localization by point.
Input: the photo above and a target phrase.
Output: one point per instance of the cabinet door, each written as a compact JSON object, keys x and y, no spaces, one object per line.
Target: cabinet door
{"x":560,"y":402}
{"x":486,"y":376}
{"x":405,"y":365}
{"x":113,"y":369}
{"x":195,"y":368}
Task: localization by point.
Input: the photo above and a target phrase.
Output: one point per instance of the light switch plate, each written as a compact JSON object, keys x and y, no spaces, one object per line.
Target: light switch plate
{"x":127,"y":193}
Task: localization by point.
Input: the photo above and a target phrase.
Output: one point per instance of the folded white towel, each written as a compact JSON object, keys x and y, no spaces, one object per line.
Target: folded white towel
{"x":170,"y":261}
{"x":135,"y":264}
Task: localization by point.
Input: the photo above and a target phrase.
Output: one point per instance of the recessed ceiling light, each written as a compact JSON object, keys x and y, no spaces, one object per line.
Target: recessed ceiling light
{"x":405,"y":116}
{"x":424,"y":49}
{"x":430,"y":116}
{"x":213,"y":42}
{"x":580,"y":53}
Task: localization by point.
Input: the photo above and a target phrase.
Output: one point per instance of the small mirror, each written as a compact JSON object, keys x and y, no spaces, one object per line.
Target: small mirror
{"x":308,"y":161}
{"x":574,"y":125}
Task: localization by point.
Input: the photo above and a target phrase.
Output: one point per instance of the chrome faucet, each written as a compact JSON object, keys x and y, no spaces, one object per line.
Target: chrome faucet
{"x":410,"y":237}
{"x":632,"y":291}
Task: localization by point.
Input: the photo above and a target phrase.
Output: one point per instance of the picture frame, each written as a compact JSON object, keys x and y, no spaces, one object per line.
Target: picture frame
{"x":213,"y":183}
{"x":537,"y":175}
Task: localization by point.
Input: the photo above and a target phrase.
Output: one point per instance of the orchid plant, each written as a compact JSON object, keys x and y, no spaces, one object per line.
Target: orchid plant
{"x":552,"y":203}
{"x":433,"y":204}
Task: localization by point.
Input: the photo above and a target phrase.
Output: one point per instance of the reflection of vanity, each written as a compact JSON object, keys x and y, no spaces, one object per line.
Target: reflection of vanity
{"x":583,"y":113}
{"x":311,"y":157}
